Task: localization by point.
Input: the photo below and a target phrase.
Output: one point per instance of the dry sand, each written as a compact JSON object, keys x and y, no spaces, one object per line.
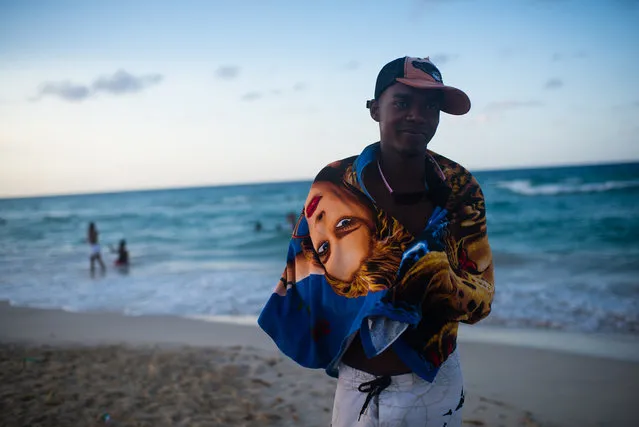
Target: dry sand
{"x":68,"y":369}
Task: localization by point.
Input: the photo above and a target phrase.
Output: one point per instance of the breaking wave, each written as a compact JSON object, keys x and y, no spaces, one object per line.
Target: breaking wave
{"x":527,"y":188}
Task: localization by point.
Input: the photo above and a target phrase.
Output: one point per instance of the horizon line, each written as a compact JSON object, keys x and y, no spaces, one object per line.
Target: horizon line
{"x":309,"y":180}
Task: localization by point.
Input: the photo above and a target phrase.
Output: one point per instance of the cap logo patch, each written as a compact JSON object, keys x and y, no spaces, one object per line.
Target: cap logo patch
{"x":429,"y":69}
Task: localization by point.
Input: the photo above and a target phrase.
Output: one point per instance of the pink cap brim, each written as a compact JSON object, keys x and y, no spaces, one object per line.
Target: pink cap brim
{"x":456,"y":102}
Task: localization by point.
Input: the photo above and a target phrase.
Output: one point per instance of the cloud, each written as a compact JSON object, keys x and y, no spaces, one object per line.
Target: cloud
{"x":228,"y":72}
{"x":512,"y":105}
{"x":442,"y":58}
{"x":299,"y":86}
{"x":554,"y":84}
{"x":122,"y":82}
{"x":560,"y":56}
{"x":630,"y":106}
{"x":65,"y":90}
{"x":255,"y":95}
{"x":251,"y":96}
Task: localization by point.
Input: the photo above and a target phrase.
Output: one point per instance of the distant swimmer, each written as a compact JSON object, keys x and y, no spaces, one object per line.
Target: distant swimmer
{"x":123,"y":254}
{"x":92,"y":238}
{"x":291,"y":219}
{"x":258,"y":226}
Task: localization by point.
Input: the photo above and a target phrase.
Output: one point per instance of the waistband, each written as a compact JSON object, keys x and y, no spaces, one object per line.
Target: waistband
{"x":352,"y":378}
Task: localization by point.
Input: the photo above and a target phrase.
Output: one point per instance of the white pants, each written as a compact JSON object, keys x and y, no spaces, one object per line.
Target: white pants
{"x":409,"y":401}
{"x":95,"y":249}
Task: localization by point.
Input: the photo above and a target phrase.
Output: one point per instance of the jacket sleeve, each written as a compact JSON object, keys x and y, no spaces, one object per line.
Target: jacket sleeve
{"x":460,"y":280}
{"x":292,"y":316}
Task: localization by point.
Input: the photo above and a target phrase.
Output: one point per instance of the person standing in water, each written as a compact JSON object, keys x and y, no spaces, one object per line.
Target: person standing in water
{"x":92,"y":238}
{"x":123,"y":254}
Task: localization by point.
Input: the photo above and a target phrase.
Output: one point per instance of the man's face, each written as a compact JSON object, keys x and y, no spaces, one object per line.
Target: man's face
{"x":408,"y":118}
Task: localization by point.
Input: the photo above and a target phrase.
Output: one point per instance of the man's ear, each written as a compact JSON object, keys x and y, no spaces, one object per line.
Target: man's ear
{"x":373,"y":106}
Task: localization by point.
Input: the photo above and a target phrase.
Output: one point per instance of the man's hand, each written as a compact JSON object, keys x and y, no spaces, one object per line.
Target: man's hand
{"x":411,"y":256}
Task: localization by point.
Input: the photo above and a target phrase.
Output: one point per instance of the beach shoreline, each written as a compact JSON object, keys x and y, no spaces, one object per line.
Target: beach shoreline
{"x":622,"y":347}
{"x":508,"y":382}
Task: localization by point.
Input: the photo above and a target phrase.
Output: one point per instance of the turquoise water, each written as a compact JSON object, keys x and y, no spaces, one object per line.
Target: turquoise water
{"x":564,"y":239}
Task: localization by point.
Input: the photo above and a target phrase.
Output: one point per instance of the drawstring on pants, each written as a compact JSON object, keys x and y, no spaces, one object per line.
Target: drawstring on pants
{"x":373,"y":388}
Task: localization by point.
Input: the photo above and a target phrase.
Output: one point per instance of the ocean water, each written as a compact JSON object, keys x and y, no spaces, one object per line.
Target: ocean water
{"x":564,"y":241}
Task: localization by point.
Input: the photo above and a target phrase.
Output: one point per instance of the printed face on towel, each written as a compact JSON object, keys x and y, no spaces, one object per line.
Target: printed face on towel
{"x":341,"y":229}
{"x":408,"y":118}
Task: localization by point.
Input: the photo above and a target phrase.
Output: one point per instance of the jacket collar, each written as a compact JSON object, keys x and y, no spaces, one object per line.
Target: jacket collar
{"x":435,"y":179}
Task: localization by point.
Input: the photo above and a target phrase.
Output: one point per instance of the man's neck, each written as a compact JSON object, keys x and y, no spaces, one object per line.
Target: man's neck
{"x":404,"y":173}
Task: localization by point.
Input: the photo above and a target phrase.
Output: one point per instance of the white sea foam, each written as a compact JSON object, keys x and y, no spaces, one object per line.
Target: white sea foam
{"x":526,"y":188}
{"x":237,"y":320}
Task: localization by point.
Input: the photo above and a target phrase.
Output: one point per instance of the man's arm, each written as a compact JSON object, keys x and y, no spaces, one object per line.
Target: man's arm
{"x":460,"y":280}
{"x":292,"y":316}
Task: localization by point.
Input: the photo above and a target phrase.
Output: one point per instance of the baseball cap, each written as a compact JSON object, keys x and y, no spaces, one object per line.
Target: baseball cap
{"x":423,"y":74}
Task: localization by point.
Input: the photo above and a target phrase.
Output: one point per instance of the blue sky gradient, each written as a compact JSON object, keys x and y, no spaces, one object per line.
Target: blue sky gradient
{"x":111,"y":95}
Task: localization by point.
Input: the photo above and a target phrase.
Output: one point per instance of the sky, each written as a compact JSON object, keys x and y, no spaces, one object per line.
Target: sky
{"x":116,"y":95}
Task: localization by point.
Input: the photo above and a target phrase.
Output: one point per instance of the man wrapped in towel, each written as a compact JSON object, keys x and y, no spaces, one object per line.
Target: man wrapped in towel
{"x":389,"y":254}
